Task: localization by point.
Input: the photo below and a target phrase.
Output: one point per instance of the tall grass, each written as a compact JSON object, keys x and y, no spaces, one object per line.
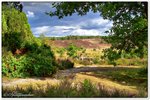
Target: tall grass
{"x":66,"y":89}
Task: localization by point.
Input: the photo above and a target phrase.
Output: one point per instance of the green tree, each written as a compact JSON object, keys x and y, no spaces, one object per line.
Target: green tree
{"x":15,"y":28}
{"x":130,"y":22}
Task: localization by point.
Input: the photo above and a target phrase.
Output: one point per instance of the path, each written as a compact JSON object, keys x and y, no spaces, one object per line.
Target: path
{"x":77,"y":75}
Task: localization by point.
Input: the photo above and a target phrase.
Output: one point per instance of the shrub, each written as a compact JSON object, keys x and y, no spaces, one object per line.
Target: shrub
{"x":72,"y":50}
{"x":133,"y":61}
{"x":16,"y":35}
{"x":61,"y":51}
{"x":88,"y":89}
{"x":86,"y":62}
{"x":96,"y":60}
{"x":12,"y":66}
{"x":41,"y":62}
{"x":65,"y":64}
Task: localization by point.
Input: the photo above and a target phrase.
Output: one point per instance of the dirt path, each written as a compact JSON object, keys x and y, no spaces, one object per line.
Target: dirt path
{"x":69,"y":72}
{"x":76,"y":75}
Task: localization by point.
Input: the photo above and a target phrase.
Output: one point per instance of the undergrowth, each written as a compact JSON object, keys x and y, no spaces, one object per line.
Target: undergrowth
{"x":67,"y":89}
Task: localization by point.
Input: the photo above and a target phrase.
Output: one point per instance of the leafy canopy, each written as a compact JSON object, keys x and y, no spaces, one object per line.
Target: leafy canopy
{"x":130,"y":22}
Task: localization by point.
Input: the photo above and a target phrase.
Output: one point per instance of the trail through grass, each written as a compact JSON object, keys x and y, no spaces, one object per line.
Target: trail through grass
{"x":78,"y":75}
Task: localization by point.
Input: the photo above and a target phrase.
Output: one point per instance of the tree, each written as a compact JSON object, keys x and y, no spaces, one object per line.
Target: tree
{"x":16,"y":5}
{"x":130,"y":22}
{"x":15,"y":28}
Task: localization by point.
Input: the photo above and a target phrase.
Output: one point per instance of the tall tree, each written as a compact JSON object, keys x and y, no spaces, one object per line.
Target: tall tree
{"x":130,"y":22}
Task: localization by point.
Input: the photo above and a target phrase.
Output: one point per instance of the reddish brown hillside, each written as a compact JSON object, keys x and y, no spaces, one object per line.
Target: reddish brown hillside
{"x":87,"y":43}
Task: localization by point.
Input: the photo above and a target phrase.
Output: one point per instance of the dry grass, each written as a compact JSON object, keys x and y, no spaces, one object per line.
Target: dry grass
{"x":73,"y":86}
{"x":66,"y":89}
{"x":106,"y":82}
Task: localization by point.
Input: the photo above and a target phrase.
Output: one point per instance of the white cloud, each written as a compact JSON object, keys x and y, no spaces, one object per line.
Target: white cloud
{"x":94,"y":27}
{"x":30,"y":14}
{"x":99,"y":21}
{"x":85,"y":32}
{"x":41,"y":30}
{"x":63,"y":31}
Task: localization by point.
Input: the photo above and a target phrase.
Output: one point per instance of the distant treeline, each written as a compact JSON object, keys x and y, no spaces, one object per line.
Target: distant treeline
{"x":71,"y":37}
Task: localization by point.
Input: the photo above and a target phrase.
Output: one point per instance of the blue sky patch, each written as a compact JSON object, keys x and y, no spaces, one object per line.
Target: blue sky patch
{"x":91,"y":24}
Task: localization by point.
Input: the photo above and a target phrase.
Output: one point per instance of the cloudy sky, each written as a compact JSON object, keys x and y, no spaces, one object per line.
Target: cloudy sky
{"x":91,"y":24}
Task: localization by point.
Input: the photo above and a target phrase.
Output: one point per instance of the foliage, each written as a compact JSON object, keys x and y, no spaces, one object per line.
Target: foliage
{"x":13,"y":66}
{"x":65,"y":64}
{"x":128,"y":76}
{"x":16,"y":30}
{"x":96,"y":60}
{"x":72,"y":37}
{"x":131,"y":62}
{"x":41,"y":62}
{"x":16,"y":5}
{"x":61,"y":51}
{"x":130,"y":22}
{"x":38,"y":60}
{"x":72,"y":50}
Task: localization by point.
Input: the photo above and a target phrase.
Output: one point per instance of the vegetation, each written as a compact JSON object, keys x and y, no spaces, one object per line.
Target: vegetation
{"x":67,"y":89}
{"x":137,"y":77}
{"x":23,"y":54}
{"x":72,"y":37}
{"x":72,"y":50}
{"x":130,"y":23}
{"x":65,"y":64}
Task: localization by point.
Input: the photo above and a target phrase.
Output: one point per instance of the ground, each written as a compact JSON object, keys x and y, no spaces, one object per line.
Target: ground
{"x":76,"y":75}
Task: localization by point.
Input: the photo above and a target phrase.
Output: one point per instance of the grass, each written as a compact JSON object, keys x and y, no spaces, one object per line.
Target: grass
{"x":126,"y":77}
{"x":66,"y":89}
{"x":89,"y":56}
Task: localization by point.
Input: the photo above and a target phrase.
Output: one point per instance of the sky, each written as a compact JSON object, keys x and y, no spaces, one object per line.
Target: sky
{"x":91,"y":24}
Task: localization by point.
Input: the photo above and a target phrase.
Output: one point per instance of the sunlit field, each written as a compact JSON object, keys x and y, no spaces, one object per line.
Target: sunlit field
{"x":52,"y":55}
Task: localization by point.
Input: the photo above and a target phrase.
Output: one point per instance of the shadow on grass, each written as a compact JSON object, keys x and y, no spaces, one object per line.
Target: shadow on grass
{"x":124,"y":76}
{"x":94,"y":69}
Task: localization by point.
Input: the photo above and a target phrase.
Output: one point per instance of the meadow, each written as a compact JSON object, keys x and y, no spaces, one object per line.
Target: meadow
{"x":75,"y":66}
{"x":83,"y":73}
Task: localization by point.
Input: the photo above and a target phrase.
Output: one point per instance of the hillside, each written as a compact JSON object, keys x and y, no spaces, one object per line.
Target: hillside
{"x":86,"y":43}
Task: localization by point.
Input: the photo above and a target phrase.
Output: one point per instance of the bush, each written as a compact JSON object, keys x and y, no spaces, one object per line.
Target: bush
{"x":12,"y":66}
{"x":41,"y":62}
{"x":61,"y":51}
{"x":86,"y":62}
{"x":16,"y":35}
{"x":96,"y":60}
{"x":133,"y":61}
{"x":88,"y":89}
{"x":65,"y":64}
{"x":72,"y":50}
